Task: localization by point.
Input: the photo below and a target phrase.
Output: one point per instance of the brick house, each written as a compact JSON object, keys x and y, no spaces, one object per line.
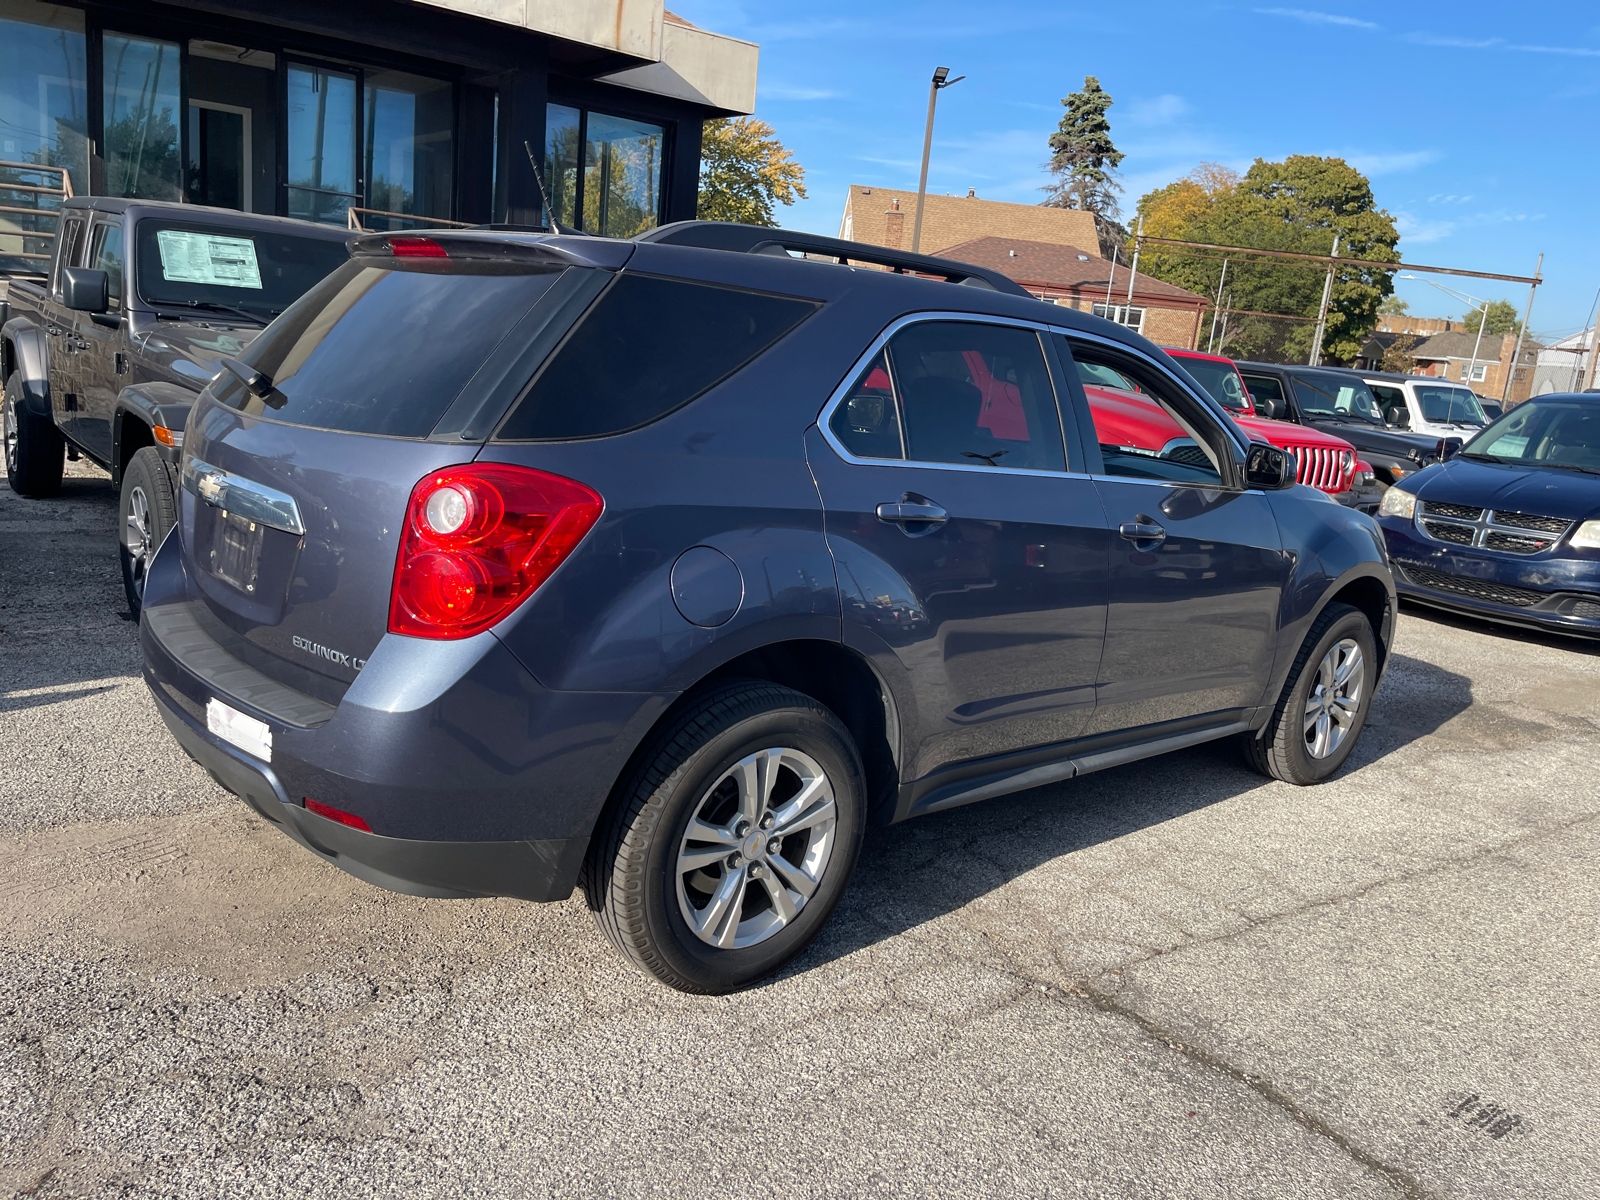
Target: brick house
{"x":885,"y":217}
{"x":1450,"y":356}
{"x":1074,"y":278}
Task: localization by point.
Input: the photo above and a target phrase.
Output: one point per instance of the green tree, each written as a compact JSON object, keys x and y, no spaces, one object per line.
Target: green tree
{"x":1502,"y":319}
{"x":1083,"y":158}
{"x":744,"y":170}
{"x":1393,"y":306}
{"x":1297,"y":205}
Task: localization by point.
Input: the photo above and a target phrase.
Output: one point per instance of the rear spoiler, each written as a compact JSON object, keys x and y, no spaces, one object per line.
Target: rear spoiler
{"x":756,"y":239}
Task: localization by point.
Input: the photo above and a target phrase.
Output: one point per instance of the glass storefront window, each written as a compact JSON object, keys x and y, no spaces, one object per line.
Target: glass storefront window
{"x":322,"y":144}
{"x":141,"y":118}
{"x":44,"y":98}
{"x":622,"y":176}
{"x":563,"y":138}
{"x":409,"y":143}
{"x":617,"y":193}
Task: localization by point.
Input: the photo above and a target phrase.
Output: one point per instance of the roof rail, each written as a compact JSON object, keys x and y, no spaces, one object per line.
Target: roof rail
{"x":758,"y":239}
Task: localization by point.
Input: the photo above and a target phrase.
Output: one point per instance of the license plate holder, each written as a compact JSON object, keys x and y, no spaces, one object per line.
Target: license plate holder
{"x":239,"y":729}
{"x":236,"y":551}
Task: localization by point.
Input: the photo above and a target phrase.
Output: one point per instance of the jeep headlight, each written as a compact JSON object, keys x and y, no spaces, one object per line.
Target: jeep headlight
{"x":1402,"y":504}
{"x":1587,"y":537}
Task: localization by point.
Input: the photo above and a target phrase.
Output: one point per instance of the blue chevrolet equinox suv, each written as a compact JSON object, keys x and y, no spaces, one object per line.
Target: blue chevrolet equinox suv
{"x":509,"y":563}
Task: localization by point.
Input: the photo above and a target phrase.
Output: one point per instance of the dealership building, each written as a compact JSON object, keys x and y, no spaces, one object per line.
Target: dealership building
{"x":403,"y":111}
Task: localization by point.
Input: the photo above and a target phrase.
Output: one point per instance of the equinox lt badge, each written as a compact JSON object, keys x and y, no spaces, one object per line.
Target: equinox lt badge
{"x":321,"y":651}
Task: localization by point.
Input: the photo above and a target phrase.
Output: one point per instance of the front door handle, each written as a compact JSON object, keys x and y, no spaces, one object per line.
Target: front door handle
{"x":908,"y":512}
{"x":1142,"y":531}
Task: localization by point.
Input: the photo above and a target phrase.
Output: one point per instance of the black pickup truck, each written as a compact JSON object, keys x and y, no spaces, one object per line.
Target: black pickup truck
{"x":1343,"y":405}
{"x":104,"y":356}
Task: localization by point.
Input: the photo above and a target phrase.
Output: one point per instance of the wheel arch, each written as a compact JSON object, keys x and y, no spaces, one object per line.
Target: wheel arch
{"x":22,"y":350}
{"x":142,"y":409}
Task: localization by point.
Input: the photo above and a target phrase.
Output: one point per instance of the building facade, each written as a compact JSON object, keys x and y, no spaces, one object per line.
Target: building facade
{"x":405,"y":111}
{"x":1481,"y":364}
{"x":1066,"y":275}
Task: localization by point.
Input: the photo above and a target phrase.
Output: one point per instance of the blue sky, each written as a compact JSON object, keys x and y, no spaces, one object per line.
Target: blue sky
{"x":1478,"y":123}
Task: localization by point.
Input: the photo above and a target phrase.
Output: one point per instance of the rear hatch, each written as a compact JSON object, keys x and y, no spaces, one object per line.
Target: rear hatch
{"x":296,"y":483}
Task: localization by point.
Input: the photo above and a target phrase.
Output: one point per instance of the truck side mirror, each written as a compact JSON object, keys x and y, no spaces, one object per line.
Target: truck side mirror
{"x":84,"y":289}
{"x":1269,"y":468}
{"x":1267,"y":407}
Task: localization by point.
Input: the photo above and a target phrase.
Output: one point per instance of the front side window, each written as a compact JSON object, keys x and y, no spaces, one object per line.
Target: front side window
{"x":142,"y":107}
{"x":1220,"y":379}
{"x":962,"y":393}
{"x":71,"y":244}
{"x":1325,"y":395}
{"x":106,"y":255}
{"x":1155,"y":433}
{"x":604,"y":172}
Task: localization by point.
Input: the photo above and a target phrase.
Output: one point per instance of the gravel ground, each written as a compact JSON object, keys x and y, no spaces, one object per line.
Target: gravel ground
{"x":1170,"y":979}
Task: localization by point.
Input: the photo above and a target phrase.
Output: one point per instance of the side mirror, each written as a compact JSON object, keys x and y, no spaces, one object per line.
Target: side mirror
{"x":1449,"y":448}
{"x":1267,"y":407}
{"x":84,"y":289}
{"x":1269,"y":468}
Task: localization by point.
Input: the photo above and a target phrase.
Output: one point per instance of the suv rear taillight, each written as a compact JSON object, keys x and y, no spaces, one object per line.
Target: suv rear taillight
{"x":478,"y":541}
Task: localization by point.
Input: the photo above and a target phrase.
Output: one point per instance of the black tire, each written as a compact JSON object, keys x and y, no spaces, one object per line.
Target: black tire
{"x":149,"y":511}
{"x":35,"y":450}
{"x":1286,"y":748}
{"x":632,"y":877}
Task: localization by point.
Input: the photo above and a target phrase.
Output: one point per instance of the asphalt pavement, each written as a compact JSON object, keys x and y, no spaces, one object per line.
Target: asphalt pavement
{"x":1172,"y":979}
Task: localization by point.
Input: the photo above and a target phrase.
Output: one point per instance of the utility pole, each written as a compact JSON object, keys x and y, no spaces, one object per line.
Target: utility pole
{"x":1483,"y":319}
{"x":1217,"y":311}
{"x":1138,"y":243}
{"x":1593,"y":334}
{"x":1511,"y":371}
{"x":1111,"y":282}
{"x":941,"y":79}
{"x":1322,"y":314}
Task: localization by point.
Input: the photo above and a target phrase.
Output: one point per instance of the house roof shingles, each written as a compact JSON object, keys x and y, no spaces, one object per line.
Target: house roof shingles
{"x":1043,"y":264}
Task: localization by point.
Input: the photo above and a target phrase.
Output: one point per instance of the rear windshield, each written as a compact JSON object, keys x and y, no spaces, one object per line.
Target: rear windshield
{"x":1448,"y":405}
{"x":203,"y":266}
{"x":647,"y":347}
{"x":385,"y":349}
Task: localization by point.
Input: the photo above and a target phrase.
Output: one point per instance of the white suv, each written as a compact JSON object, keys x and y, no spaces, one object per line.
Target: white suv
{"x":1426,"y":404}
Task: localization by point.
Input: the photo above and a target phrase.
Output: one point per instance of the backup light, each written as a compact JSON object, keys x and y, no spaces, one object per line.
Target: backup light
{"x":480,"y":539}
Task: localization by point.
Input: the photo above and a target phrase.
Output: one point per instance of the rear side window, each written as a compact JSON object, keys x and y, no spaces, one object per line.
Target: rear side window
{"x":384,"y":349}
{"x":648,"y":346}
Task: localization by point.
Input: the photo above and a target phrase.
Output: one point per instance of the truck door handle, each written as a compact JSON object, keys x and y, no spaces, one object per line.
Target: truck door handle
{"x":1142,"y":531}
{"x":905,"y":513}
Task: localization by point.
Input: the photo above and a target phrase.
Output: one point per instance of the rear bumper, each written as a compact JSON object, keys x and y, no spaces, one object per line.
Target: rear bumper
{"x":473,"y":778}
{"x":527,"y":870}
{"x":1557,"y":595}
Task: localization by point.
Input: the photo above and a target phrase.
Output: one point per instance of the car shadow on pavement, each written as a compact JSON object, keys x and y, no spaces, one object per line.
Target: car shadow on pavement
{"x":1494,"y":629}
{"x":926,"y":868}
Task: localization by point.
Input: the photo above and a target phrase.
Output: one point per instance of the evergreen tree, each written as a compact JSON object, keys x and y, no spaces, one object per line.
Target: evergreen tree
{"x":1083,"y":158}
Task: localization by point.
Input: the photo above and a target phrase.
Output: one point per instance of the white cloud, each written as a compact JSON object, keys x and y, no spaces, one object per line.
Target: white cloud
{"x":1312,"y":17}
{"x":1157,"y":110}
{"x":1451,"y":42}
{"x":1388,"y":164}
{"x":1414,"y":231}
{"x":1580,"y":51}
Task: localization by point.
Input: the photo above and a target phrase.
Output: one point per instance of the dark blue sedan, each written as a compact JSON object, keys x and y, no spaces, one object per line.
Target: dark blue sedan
{"x":1509,"y":529}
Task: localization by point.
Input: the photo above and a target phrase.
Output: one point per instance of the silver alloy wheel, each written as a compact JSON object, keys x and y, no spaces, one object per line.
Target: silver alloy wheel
{"x":11,"y":422}
{"x":136,"y":536}
{"x":768,"y":821}
{"x":1335,"y":699}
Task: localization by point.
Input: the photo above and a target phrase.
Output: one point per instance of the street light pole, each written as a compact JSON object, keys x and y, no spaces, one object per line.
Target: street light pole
{"x":1483,"y":319}
{"x":941,"y":79}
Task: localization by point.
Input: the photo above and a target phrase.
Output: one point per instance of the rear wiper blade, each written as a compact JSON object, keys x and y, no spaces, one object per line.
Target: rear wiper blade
{"x":214,"y":306}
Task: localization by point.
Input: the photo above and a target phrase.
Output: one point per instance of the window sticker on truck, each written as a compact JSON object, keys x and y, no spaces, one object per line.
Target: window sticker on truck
{"x":190,"y":257}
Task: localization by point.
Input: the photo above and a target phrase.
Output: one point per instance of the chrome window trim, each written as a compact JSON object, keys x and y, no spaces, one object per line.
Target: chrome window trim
{"x":842,"y":392}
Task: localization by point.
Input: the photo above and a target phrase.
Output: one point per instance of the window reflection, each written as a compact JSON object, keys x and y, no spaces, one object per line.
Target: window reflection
{"x":322,"y":144}
{"x":409,"y":154}
{"x":616,"y":191}
{"x":44,"y":107}
{"x":141,"y":118}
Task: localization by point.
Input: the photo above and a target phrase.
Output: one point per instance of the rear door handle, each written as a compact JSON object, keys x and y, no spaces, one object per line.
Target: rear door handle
{"x":1142,"y":531}
{"x":907,"y":512}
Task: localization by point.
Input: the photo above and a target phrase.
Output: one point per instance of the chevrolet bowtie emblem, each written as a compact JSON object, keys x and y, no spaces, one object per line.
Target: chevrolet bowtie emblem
{"x":210,"y":488}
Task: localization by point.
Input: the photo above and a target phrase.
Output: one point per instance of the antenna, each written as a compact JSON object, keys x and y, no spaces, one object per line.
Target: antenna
{"x":544,"y":197}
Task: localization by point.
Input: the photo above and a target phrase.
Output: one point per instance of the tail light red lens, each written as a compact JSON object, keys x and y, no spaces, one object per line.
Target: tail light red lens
{"x":478,"y":540}
{"x":336,"y":814}
{"x":416,"y":247}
